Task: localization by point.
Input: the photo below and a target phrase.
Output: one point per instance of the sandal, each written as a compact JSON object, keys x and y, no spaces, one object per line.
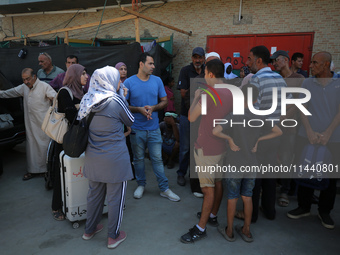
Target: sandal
{"x":28,"y":176}
{"x":239,"y":215}
{"x":58,"y":215}
{"x":283,"y":200}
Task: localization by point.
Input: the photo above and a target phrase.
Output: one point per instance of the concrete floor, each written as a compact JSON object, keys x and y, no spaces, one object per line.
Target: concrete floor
{"x":153,"y":224}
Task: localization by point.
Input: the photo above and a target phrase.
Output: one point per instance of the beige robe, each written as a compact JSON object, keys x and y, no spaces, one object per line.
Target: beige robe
{"x":36,"y":103}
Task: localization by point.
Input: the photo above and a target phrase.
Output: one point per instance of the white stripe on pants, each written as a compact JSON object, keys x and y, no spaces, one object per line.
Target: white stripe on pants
{"x":95,"y":203}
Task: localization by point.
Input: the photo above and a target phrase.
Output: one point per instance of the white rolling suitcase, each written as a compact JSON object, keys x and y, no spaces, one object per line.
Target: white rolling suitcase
{"x":74,"y":187}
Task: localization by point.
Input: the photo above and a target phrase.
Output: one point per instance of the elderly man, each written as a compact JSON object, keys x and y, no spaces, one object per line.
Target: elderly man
{"x":321,"y":127}
{"x":48,"y":71}
{"x":37,"y":99}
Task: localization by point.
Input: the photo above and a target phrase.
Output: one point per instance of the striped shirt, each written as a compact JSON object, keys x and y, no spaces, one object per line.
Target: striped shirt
{"x":265,"y":80}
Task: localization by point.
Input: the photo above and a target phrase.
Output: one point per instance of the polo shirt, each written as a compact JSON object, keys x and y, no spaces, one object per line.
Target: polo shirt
{"x":142,"y":93}
{"x":186,"y":74}
{"x":43,"y":76}
{"x":265,"y":80}
{"x":323,"y":105}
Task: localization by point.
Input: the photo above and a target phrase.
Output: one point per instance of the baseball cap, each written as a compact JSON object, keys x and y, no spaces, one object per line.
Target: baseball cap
{"x":279,"y":53}
{"x":212,"y":54}
{"x":198,"y":51}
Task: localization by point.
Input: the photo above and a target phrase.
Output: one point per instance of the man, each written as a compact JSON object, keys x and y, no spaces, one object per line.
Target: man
{"x":144,"y":90}
{"x":48,"y":71}
{"x":209,"y":150}
{"x":37,"y":99}
{"x":321,"y":127}
{"x":186,"y":74}
{"x":57,"y":82}
{"x":280,"y":60}
{"x":297,"y":62}
{"x":265,"y":80}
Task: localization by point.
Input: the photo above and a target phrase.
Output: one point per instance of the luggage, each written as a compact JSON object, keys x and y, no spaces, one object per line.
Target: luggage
{"x":74,"y":187}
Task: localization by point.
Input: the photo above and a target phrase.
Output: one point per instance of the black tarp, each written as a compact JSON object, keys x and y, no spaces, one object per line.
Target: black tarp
{"x":90,"y":57}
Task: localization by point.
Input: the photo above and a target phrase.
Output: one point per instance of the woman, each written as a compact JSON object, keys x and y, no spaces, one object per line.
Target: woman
{"x":244,"y":71}
{"x":75,"y":79}
{"x":121,"y":67}
{"x":107,"y":161}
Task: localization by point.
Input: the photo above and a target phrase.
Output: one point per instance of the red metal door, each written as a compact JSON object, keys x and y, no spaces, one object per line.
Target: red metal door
{"x":235,"y":48}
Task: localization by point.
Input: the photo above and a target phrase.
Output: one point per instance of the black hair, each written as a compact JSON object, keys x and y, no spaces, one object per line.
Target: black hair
{"x":261,"y":52}
{"x":143,"y":57}
{"x":72,"y":56}
{"x":255,"y":92}
{"x":216,"y":67}
{"x":297,"y":55}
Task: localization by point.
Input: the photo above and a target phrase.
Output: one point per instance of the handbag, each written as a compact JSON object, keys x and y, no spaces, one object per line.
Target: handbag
{"x":76,"y":138}
{"x":55,"y":124}
{"x":6,"y":121}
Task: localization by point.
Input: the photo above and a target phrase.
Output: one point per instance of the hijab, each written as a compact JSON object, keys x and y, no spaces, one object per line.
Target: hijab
{"x":72,"y":80}
{"x":231,"y":75}
{"x":103,"y":84}
{"x":119,"y":65}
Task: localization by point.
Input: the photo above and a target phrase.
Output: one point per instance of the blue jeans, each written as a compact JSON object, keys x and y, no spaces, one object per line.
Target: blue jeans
{"x":152,"y":139}
{"x":184,"y":145}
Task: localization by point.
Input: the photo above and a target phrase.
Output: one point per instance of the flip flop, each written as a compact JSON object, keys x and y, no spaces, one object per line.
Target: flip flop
{"x":283,"y":200}
{"x":224,"y":234}
{"x":239,"y":215}
{"x":245,"y":238}
{"x":27,"y":176}
{"x":58,"y":215}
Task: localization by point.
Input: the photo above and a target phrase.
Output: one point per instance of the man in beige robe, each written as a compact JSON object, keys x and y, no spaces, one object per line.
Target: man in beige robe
{"x":37,"y":99}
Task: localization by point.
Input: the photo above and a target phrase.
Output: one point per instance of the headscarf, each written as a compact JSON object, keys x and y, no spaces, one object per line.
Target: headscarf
{"x":72,"y":80}
{"x":231,"y":75}
{"x":103,"y":84}
{"x":246,"y":70}
{"x":119,"y":65}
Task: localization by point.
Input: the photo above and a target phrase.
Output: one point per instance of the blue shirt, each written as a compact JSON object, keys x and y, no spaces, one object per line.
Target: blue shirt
{"x":143,"y":93}
{"x":323,"y":105}
{"x":265,"y":80}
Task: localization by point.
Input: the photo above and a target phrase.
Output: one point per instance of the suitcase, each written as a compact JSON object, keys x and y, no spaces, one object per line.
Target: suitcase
{"x":74,"y":187}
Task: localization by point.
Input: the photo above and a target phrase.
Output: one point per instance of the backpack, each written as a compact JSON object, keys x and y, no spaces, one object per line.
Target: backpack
{"x":311,"y":172}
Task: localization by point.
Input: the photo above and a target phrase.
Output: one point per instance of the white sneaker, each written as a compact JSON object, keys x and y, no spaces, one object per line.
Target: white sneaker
{"x":138,"y":192}
{"x":197,"y":194}
{"x":170,"y":195}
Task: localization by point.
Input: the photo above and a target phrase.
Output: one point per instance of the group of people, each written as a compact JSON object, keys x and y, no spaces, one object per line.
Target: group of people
{"x":246,"y":145}
{"x":134,"y":102}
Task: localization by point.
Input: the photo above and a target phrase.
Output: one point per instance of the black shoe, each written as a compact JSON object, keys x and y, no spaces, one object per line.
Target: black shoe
{"x":171,"y":165}
{"x":326,"y":220}
{"x":212,"y":221}
{"x":193,"y":235}
{"x":298,"y":213}
{"x":180,"y":180}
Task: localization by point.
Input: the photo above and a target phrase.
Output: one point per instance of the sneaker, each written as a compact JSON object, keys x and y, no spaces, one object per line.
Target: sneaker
{"x":89,"y":236}
{"x":193,"y":235}
{"x":326,"y":220}
{"x":180,"y":180}
{"x":298,"y":213}
{"x":139,"y":192}
{"x":212,"y":221}
{"x":170,"y":195}
{"x":113,"y":243}
{"x":198,"y":194}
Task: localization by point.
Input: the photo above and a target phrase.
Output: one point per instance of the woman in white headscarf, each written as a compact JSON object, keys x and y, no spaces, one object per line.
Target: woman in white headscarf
{"x":107,"y":161}
{"x":228,"y":74}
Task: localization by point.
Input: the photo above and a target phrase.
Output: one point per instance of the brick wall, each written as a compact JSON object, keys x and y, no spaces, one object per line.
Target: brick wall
{"x":214,"y":17}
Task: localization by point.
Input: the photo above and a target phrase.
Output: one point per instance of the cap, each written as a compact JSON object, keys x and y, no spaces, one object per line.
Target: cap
{"x":279,"y":53}
{"x":198,"y":51}
{"x":212,"y":54}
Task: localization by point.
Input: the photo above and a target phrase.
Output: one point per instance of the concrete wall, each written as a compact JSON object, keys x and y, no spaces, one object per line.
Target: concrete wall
{"x":213,"y":17}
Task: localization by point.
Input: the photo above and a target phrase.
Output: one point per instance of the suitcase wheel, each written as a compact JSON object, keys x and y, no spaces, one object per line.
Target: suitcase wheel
{"x":75,"y":225}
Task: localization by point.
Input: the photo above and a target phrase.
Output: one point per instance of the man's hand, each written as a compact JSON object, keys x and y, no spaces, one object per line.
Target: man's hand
{"x":148,"y":110}
{"x":313,"y":137}
{"x":324,"y":137}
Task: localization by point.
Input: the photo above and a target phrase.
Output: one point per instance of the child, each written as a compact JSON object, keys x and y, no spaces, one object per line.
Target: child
{"x":241,"y":152}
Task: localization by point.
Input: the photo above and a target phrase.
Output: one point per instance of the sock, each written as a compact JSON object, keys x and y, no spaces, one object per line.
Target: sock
{"x":212,"y":215}
{"x":200,"y":229}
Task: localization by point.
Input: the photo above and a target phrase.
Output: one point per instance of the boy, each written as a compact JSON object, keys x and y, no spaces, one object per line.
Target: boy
{"x":241,"y":152}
